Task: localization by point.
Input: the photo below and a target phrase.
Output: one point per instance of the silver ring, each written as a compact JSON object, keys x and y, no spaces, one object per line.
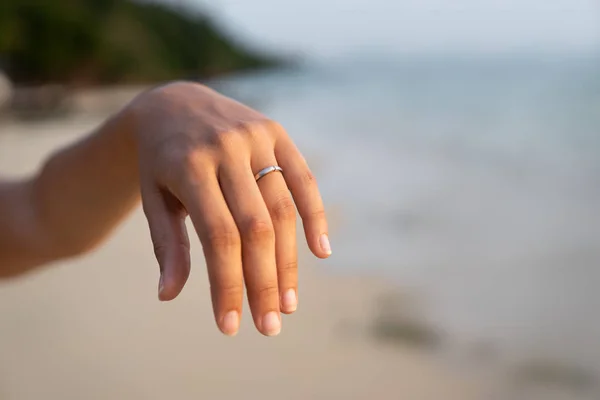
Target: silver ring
{"x":266,"y":171}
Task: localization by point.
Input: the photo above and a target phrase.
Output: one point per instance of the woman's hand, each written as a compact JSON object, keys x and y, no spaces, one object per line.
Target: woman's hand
{"x":198,"y":155}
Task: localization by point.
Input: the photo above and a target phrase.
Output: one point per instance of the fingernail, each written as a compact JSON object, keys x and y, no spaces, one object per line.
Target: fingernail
{"x":289,"y":300}
{"x":325,"y":246}
{"x":271,"y":324}
{"x":231,"y":323}
{"x":160,"y":286}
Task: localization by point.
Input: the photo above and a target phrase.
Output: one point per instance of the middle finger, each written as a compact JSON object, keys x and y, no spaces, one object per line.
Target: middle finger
{"x":258,"y":243}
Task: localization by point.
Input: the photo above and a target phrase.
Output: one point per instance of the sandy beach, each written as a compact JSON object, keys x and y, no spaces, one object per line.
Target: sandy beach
{"x":92,"y":328}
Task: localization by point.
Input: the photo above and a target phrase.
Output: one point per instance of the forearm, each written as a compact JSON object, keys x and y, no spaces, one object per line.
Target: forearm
{"x":79,"y":196}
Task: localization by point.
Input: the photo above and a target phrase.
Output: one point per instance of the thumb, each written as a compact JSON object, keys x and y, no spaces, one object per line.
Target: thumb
{"x":166,"y":219}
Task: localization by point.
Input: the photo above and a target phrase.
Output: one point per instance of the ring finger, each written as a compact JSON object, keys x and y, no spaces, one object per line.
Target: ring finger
{"x":281,"y":207}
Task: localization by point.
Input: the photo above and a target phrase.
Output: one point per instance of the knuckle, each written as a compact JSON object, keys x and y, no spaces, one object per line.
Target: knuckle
{"x":318,"y":214}
{"x":226,"y":139}
{"x":189,"y":163}
{"x":223,"y":237}
{"x":274,"y":125}
{"x":228,"y":289}
{"x":184,"y":172}
{"x":274,"y":128}
{"x":308,"y":178}
{"x":244,"y":133}
{"x":268,"y":290}
{"x":247,"y":127}
{"x":251,"y":131}
{"x":160,"y":251}
{"x":257,"y":229}
{"x":187,"y":160}
{"x":289,"y":266}
{"x":177,"y":164}
{"x":284,"y":209}
{"x":260,"y":129}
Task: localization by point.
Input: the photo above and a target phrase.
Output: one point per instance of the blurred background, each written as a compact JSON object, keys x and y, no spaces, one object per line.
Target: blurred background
{"x":457,"y":148}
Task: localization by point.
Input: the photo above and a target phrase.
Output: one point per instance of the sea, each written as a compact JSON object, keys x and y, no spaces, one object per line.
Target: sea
{"x":471,"y":180}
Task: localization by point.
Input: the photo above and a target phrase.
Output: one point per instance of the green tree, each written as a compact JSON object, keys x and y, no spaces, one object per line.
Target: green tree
{"x":98,"y":41}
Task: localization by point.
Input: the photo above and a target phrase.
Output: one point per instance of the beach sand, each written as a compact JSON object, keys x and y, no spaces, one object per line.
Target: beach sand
{"x":92,"y":328}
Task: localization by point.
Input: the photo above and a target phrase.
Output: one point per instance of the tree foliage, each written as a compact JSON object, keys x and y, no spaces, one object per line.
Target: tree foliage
{"x":99,"y":41}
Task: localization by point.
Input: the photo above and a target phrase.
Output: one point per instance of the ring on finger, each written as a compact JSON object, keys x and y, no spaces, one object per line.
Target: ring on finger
{"x":265,"y":171}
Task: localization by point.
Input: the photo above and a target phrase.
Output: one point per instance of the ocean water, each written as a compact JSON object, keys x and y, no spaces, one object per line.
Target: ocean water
{"x":473,"y":181}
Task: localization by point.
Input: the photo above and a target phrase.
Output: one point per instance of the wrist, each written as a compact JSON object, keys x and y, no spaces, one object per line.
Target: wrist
{"x":122,"y":131}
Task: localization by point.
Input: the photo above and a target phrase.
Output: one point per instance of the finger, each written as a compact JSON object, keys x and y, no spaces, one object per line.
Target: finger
{"x":166,"y":218}
{"x":283,"y":214}
{"x":303,"y":185}
{"x":221,"y":245}
{"x":258,"y":243}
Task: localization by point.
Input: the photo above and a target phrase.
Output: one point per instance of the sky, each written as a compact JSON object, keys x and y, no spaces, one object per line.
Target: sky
{"x":324,"y":28}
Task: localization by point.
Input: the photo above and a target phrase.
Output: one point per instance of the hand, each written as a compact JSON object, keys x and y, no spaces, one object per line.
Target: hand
{"x":198,"y":154}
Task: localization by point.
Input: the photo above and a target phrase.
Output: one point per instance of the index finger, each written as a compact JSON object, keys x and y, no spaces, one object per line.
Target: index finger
{"x":303,"y":185}
{"x":204,"y":201}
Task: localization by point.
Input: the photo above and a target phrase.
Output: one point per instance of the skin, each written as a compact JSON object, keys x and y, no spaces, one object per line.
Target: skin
{"x":184,"y":150}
